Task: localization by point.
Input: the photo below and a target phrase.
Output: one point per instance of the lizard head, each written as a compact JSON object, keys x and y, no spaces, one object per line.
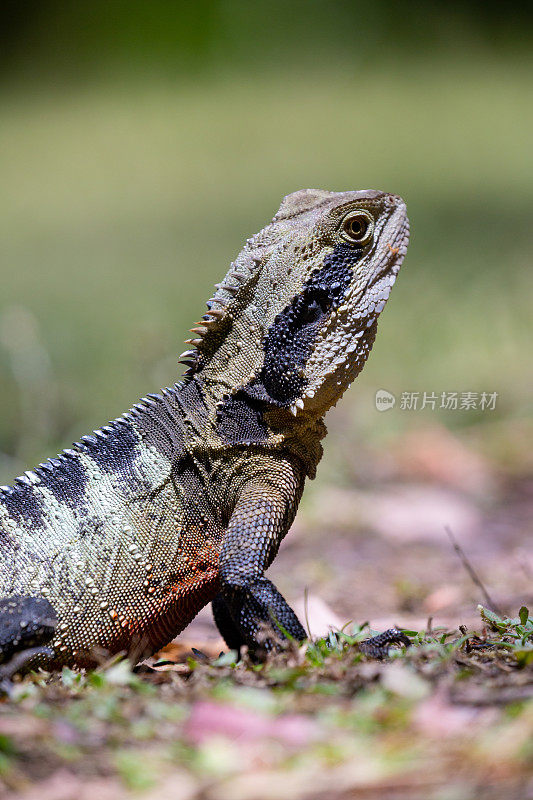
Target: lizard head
{"x":294,"y":320}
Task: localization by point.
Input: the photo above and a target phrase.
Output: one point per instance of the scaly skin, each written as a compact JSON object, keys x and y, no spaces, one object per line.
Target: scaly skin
{"x":186,"y":497}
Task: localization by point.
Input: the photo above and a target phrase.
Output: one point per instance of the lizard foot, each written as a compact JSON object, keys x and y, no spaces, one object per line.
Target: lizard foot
{"x":378,"y":646}
{"x":258,"y":616}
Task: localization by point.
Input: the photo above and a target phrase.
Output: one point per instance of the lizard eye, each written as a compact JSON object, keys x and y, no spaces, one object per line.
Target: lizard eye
{"x":357,"y":227}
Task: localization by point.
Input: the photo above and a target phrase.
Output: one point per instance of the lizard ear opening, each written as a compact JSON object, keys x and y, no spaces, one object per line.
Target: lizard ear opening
{"x":303,"y":200}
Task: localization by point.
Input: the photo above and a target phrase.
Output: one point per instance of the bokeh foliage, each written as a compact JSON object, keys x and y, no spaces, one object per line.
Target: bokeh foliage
{"x":142,"y":143}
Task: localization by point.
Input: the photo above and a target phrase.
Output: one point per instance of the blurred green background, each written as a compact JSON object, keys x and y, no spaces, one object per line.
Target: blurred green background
{"x":141,"y":143}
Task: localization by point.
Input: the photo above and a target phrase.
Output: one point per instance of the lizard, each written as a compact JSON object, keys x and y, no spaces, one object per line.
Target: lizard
{"x":117,"y":543}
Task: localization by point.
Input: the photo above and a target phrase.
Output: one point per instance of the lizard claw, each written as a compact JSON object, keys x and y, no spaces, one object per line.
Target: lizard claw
{"x":18,"y":662}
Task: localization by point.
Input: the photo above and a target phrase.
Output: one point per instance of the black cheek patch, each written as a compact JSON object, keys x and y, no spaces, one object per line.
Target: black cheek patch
{"x":285,"y":355}
{"x":289,"y":341}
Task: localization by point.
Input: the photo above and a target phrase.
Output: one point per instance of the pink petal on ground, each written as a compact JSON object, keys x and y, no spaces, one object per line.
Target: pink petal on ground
{"x":294,"y":730}
{"x":437,"y":718}
{"x":216,"y":719}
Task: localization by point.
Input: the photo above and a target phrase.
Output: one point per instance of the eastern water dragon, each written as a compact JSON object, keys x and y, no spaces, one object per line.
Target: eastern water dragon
{"x":116,"y":544}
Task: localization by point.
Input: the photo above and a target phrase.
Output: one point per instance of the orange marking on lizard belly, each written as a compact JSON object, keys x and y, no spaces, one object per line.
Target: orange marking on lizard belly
{"x":170,"y":609}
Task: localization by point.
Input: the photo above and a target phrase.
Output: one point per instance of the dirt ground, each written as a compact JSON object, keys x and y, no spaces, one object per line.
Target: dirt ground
{"x":451,"y":718}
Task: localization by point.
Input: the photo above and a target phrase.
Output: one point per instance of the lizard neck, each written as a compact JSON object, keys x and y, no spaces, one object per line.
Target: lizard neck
{"x":210,"y":416}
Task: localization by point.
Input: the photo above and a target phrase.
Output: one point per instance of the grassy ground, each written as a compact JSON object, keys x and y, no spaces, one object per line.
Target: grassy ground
{"x":447,"y":718}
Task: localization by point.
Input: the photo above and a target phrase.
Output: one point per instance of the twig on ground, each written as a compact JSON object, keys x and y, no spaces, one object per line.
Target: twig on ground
{"x":306,"y":613}
{"x":471,"y":571}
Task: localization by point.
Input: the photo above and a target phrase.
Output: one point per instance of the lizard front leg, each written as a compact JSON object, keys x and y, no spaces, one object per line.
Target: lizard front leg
{"x":249,"y":609}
